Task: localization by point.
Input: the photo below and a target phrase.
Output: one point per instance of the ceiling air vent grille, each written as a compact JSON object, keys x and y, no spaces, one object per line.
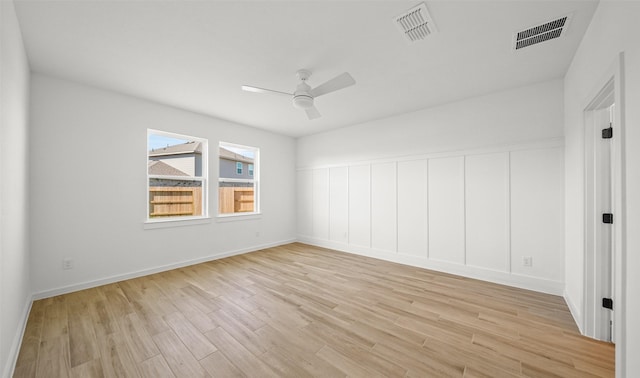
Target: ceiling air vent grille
{"x":416,"y":23}
{"x":540,"y":33}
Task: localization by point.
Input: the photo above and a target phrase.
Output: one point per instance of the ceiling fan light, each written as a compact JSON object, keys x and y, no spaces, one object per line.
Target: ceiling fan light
{"x":302,"y":101}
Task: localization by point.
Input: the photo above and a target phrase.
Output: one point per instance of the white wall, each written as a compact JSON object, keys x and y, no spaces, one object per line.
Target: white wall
{"x":88,"y":172}
{"x":520,"y":115}
{"x":475,"y":210}
{"x":613,"y":29}
{"x":15,"y":289}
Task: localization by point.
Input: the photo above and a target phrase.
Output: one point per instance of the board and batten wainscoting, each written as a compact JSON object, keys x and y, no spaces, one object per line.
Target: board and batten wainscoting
{"x":476,"y":213}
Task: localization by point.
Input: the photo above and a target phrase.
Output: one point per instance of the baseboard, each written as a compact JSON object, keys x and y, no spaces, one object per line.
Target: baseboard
{"x":17,"y":341}
{"x":575,"y":311}
{"x":504,"y":278}
{"x":145,"y":272}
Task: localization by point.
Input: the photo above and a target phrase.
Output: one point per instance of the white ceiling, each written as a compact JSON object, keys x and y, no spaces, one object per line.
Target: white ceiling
{"x":195,"y":55}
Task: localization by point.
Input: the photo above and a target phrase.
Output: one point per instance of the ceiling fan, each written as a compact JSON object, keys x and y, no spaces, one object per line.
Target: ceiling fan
{"x":304,"y":94}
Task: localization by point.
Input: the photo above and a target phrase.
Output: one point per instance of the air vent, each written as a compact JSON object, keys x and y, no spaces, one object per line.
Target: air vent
{"x":541,"y":33}
{"x":416,"y":23}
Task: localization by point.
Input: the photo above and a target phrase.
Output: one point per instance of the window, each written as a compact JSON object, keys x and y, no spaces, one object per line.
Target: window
{"x":238,"y":189}
{"x":176,"y":176}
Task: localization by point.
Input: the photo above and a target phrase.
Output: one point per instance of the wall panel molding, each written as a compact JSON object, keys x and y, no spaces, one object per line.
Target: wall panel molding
{"x":452,"y":211}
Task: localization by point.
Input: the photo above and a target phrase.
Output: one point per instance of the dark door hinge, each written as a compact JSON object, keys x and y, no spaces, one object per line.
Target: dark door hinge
{"x":607,"y":133}
{"x":607,"y":303}
{"x":607,"y":218}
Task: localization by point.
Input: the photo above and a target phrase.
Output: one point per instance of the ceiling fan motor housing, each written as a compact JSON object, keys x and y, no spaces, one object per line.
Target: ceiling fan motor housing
{"x":302,"y":99}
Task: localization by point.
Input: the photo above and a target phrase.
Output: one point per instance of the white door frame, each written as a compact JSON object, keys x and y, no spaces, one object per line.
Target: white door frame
{"x":608,"y":90}
{"x":598,"y":200}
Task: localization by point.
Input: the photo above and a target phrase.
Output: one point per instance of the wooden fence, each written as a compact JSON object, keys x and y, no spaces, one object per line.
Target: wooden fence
{"x":168,"y":201}
{"x":235,"y":200}
{"x":171,"y":201}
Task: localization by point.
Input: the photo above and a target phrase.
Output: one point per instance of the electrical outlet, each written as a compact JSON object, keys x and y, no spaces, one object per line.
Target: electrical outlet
{"x":527,"y":261}
{"x":67,"y":264}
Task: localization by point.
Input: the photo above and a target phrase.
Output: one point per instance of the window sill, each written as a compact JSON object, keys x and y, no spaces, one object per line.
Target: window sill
{"x":177,"y":222}
{"x":237,"y":217}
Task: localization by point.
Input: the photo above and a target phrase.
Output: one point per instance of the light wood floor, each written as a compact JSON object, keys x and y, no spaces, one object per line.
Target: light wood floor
{"x":298,"y":311}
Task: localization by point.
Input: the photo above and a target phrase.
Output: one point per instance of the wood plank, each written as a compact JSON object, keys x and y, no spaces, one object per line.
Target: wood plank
{"x":53,"y":359}
{"x":116,"y":357}
{"x":218,"y":365}
{"x":150,"y":315}
{"x":178,"y":357}
{"x":156,"y":367}
{"x":294,"y":345}
{"x":31,"y":340}
{"x":348,"y":366}
{"x":193,"y":339}
{"x":199,"y":319}
{"x":245,"y":336}
{"x":82,"y":338}
{"x":118,"y":302}
{"x":56,"y":322}
{"x":244,"y":360}
{"x":137,"y":338}
{"x":89,"y":369}
{"x":104,"y":321}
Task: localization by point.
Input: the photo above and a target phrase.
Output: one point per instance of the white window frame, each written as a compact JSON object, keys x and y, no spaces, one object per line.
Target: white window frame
{"x":240,"y":168}
{"x":250,"y":169}
{"x":255,"y":180}
{"x":204,"y":180}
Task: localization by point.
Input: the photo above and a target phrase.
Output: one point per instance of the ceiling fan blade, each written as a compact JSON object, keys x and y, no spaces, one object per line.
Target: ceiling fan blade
{"x":249,"y":88}
{"x":341,"y":81}
{"x":312,"y":112}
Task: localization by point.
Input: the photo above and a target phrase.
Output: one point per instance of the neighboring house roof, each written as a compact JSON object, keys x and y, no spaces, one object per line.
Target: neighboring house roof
{"x":191,"y":147}
{"x":157,"y":167}
{"x":230,"y":155}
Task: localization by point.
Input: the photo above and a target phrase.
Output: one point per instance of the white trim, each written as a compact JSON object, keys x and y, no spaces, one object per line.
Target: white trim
{"x":225,"y":179}
{"x":168,"y":134}
{"x":232,"y":217}
{"x":14,"y":350}
{"x":495,"y":276}
{"x":533,"y":145}
{"x":508,"y":215}
{"x":427,"y":194}
{"x":575,"y":311}
{"x":612,"y":77}
{"x":145,"y":272}
{"x":174,"y":222}
{"x":179,"y":178}
{"x":464,"y":209}
{"x":235,"y":145}
{"x":597,"y":237}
